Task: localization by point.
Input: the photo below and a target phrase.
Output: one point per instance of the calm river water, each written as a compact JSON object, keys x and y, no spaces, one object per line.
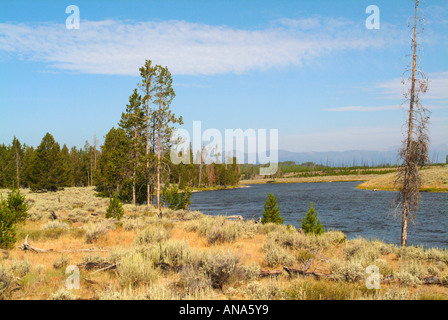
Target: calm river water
{"x":340,"y":206}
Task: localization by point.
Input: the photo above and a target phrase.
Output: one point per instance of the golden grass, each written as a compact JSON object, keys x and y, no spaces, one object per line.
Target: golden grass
{"x":434,"y":179}
{"x":43,"y":279}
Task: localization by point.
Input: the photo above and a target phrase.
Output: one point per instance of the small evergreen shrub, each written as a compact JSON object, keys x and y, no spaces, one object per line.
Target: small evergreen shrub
{"x":311,"y":223}
{"x":271,"y":211}
{"x":115,"y":209}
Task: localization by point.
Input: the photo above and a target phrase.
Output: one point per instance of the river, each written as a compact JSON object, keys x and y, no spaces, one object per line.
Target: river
{"x":340,"y":206}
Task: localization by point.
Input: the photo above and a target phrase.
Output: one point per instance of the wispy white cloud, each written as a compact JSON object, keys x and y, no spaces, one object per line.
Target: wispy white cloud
{"x":362,"y":108}
{"x":437,"y":88}
{"x":120,"y":47}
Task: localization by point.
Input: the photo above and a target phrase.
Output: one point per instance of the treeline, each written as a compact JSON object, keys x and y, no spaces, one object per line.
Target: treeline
{"x":134,"y":161}
{"x":47,"y":167}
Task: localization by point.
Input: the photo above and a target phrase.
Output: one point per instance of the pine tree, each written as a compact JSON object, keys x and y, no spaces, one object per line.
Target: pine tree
{"x":271,"y":211}
{"x":115,"y":209}
{"x":114,"y":169}
{"x":133,"y":123}
{"x":165,"y":119}
{"x":47,"y":170}
{"x":311,"y":223}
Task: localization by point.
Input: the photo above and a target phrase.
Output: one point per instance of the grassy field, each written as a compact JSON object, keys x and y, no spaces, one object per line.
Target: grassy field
{"x":434,"y":179}
{"x":187,"y":255}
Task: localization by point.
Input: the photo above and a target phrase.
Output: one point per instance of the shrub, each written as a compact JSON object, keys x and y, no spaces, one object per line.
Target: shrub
{"x":151,"y":234}
{"x":6,"y":280}
{"x":60,"y":262}
{"x":95,"y":230}
{"x":63,"y":294}
{"x":311,"y":223}
{"x":221,"y":267}
{"x":347,"y":271}
{"x":115,"y":209}
{"x":135,"y":270}
{"x":175,"y":200}
{"x":193,"y":281}
{"x":20,"y":268}
{"x":229,"y":231}
{"x":56,"y":224}
{"x":13,"y":210}
{"x":276,"y":255}
{"x":271,"y":211}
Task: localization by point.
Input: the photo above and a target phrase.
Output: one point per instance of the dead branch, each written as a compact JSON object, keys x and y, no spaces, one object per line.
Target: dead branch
{"x":27,"y":247}
{"x":270,"y":273}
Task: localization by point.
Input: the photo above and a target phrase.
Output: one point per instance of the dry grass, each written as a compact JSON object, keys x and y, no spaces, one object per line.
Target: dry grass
{"x":433,"y":179}
{"x":171,"y":258}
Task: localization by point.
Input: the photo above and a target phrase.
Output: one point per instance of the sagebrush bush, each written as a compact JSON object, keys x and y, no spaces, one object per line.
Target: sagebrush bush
{"x":221,"y":267}
{"x":348,"y":271}
{"x":151,"y":234}
{"x":267,"y":290}
{"x":96,"y":230}
{"x":175,"y":253}
{"x":6,"y":280}
{"x":63,"y":294}
{"x":61,"y":262}
{"x":20,"y":267}
{"x":55,"y":224}
{"x":193,"y":281}
{"x":275,"y":255}
{"x":134,"y":270}
{"x":229,"y":231}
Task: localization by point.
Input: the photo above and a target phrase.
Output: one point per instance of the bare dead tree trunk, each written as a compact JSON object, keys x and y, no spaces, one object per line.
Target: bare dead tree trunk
{"x":414,"y":151}
{"x":158,"y":155}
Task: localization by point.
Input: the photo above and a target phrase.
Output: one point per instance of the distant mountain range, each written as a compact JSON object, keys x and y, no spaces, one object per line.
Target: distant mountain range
{"x":438,"y":154}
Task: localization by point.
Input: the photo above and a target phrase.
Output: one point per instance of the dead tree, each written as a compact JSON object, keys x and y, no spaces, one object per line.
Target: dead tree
{"x":414,"y":149}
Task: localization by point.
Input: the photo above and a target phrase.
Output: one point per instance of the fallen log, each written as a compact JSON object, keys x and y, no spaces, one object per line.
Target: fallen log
{"x":270,"y":273}
{"x":432,"y":280}
{"x":96,"y":265}
{"x":27,"y":247}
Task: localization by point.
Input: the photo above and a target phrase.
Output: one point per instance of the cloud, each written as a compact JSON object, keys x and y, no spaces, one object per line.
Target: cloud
{"x":121,"y":47}
{"x":437,"y":88}
{"x":360,"y":108}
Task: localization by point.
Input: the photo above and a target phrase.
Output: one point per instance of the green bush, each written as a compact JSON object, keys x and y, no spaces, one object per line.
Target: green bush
{"x":271,"y":211}
{"x":115,"y":209}
{"x":13,"y":210}
{"x":311,"y":223}
{"x":175,"y":200}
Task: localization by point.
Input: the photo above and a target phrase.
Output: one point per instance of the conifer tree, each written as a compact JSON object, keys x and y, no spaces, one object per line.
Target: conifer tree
{"x":133,"y":123}
{"x":271,"y":211}
{"x":311,"y":223}
{"x":47,"y":169}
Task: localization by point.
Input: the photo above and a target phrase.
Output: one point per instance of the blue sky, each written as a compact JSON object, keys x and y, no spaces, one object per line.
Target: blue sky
{"x":310,"y":69}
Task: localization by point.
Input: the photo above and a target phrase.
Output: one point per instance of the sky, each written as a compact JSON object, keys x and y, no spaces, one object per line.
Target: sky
{"x":311,"y":69}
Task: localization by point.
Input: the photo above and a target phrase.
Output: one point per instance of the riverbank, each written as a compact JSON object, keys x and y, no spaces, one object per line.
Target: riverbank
{"x":434,"y":179}
{"x":341,"y":178}
{"x":189,"y":255}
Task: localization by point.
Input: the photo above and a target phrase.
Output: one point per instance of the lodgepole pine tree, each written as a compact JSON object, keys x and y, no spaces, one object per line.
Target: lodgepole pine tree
{"x":271,"y":211}
{"x":133,"y":123}
{"x":311,"y":223}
